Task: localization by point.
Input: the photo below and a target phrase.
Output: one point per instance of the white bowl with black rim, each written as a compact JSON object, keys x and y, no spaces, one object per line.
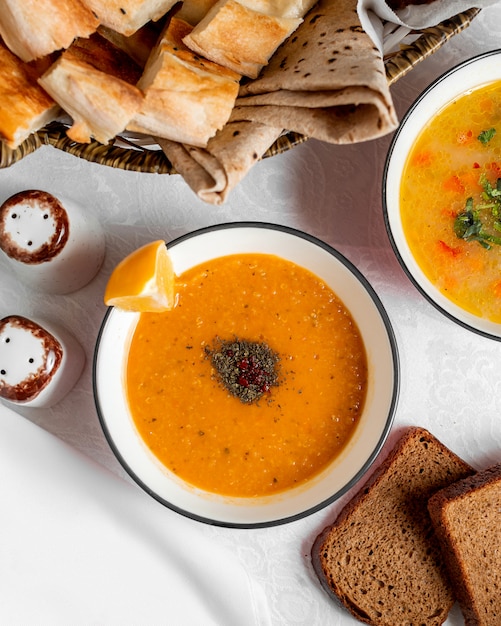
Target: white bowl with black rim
{"x":471,"y":74}
{"x":374,"y":423}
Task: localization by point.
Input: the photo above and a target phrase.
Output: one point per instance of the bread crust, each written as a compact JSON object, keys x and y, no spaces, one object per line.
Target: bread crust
{"x":24,"y":105}
{"x":380,"y":558}
{"x":467,"y":521}
{"x":128,"y":16}
{"x":238,"y":37}
{"x":186,"y":99}
{"x":100,"y":104}
{"x":31,"y":34}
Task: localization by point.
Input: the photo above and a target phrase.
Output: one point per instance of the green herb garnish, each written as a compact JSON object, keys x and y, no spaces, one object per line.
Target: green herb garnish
{"x":247,"y":369}
{"x":486,"y":135}
{"x":476,"y":223}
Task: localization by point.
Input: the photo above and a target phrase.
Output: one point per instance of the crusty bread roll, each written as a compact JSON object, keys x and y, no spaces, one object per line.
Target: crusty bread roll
{"x":24,"y":105}
{"x":35,"y":29}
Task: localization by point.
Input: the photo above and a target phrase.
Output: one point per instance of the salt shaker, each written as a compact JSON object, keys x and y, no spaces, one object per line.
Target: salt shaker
{"x":53,"y":247}
{"x":39,"y":364}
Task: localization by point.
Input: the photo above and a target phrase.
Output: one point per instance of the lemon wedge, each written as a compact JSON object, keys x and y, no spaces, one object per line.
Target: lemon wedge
{"x":144,"y":281}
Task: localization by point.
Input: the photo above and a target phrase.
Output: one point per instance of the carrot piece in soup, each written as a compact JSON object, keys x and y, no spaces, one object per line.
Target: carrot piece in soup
{"x":448,"y":212}
{"x":471,"y":181}
{"x":486,"y":105}
{"x":453,"y":184}
{"x":464,"y":136}
{"x":496,"y":289}
{"x":495,"y":168}
{"x":448,"y":250}
{"x":422,"y":159}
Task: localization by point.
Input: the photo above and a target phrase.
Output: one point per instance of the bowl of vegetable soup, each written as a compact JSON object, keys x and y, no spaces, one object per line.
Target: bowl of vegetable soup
{"x":442,"y":194}
{"x":265,"y":393}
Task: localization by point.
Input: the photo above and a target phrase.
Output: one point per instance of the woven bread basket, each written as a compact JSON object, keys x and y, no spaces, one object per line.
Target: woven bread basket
{"x":144,"y":159}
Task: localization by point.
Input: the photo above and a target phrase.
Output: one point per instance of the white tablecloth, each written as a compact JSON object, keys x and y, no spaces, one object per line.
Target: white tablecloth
{"x":450,"y":385}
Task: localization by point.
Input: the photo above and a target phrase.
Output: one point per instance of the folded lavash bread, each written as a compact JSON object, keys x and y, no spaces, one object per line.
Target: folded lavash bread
{"x":327,"y":82}
{"x":212,"y":172}
{"x":343,"y":98}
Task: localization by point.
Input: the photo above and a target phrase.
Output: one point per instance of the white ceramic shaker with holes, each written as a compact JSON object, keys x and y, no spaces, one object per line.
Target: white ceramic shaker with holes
{"x":53,"y":246}
{"x":39,"y":362}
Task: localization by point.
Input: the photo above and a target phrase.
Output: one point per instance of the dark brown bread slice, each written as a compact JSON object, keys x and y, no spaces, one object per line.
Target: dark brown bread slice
{"x":467,"y":521}
{"x":380,"y":558}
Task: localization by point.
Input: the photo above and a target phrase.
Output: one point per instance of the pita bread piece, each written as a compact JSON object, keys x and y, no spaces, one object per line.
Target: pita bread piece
{"x":238,"y":37}
{"x":327,"y":82}
{"x":35,"y":29}
{"x":127,"y":16}
{"x":186,"y":99}
{"x":100,"y":104}
{"x":24,"y":106}
{"x":280,"y":8}
{"x":137,"y":46}
{"x":193,"y":11}
{"x":106,"y":57}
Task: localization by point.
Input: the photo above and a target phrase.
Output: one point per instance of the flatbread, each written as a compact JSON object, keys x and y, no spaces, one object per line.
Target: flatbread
{"x":32,"y":30}
{"x":24,"y":106}
{"x":328,"y":81}
{"x":186,"y":99}
{"x":193,"y":11}
{"x":100,"y":104}
{"x":212,"y":172}
{"x":128,"y":16}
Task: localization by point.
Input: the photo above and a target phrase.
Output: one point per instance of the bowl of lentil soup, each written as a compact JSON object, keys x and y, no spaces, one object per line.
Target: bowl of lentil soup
{"x":267,"y":391}
{"x":442,"y":194}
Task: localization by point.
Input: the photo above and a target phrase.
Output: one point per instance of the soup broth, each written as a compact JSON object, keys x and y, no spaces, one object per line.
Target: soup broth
{"x":206,"y":434}
{"x":450,"y":201}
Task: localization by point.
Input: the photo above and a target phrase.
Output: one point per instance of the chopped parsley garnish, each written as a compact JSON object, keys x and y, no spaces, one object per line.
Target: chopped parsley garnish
{"x":486,"y":135}
{"x":477,"y":223}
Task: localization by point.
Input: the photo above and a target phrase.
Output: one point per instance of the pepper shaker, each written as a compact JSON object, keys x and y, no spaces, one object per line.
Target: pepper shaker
{"x":39,"y":364}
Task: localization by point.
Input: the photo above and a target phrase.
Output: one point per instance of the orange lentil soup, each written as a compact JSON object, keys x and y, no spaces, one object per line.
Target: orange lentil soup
{"x":209,"y":436}
{"x":451,"y":201}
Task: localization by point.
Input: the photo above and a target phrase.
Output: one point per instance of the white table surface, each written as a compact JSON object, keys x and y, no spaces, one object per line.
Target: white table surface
{"x":450,"y":377}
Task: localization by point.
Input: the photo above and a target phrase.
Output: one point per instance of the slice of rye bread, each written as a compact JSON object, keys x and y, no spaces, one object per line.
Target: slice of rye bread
{"x":467,"y":521}
{"x":380,"y":557}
